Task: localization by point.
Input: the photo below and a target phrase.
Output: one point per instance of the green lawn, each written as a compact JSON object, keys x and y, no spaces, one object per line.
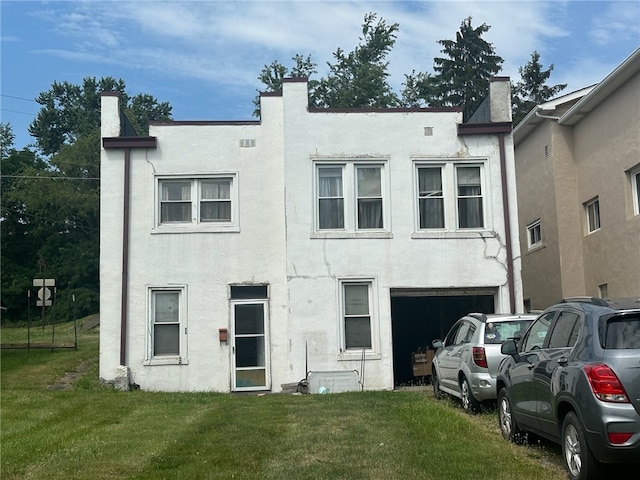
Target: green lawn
{"x":94,"y":432}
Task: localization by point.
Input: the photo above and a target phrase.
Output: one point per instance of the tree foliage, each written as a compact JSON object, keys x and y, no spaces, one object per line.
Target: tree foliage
{"x":462,"y":74}
{"x":50,"y":204}
{"x":355,"y":79}
{"x":531,"y":89}
{"x":69,"y":111}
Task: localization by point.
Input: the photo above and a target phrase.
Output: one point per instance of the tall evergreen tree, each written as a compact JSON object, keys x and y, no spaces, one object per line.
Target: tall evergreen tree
{"x":462,"y":74}
{"x":531,"y":90}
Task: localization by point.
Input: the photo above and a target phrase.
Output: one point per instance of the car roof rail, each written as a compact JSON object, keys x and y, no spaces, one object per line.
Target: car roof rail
{"x":601,"y":302}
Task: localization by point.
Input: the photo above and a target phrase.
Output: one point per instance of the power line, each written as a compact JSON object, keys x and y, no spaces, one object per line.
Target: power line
{"x":17,"y":111}
{"x":19,"y":98}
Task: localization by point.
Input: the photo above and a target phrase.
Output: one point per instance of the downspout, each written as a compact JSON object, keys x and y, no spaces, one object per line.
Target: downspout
{"x":125,"y":257}
{"x":507,"y":224}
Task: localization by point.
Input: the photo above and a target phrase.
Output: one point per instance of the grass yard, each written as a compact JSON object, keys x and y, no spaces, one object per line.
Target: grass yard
{"x":56,"y":428}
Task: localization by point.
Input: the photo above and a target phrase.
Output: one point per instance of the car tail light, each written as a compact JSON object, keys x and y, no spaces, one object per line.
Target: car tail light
{"x":619,"y":438}
{"x":605,"y":383}
{"x":480,"y":357}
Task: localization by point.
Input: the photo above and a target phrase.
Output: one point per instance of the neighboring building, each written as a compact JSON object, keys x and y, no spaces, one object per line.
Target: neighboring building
{"x":578,"y":174}
{"x":239,"y":256}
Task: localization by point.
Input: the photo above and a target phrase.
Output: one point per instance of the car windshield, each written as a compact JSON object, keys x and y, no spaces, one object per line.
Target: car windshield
{"x":500,"y":332}
{"x":623,"y":332}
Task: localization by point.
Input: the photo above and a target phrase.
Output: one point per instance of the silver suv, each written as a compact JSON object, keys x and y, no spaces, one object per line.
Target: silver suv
{"x":574,"y":379}
{"x":466,"y":361}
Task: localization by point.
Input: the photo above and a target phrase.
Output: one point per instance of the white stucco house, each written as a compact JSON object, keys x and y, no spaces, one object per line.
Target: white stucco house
{"x":245,"y":255}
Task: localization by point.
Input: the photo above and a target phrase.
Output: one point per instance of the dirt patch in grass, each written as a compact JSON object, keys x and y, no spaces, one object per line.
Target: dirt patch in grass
{"x":69,"y":378}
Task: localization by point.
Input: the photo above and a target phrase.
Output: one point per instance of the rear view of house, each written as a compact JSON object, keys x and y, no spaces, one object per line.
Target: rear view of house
{"x":240,"y":256}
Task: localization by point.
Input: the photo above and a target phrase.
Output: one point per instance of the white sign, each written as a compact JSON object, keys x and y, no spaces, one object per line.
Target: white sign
{"x":44,"y":282}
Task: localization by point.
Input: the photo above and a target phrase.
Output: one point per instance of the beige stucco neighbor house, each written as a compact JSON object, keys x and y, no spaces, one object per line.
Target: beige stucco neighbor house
{"x":325,"y":244}
{"x":578,"y":180}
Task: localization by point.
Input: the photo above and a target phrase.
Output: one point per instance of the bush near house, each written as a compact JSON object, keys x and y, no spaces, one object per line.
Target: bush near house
{"x":60,"y":422}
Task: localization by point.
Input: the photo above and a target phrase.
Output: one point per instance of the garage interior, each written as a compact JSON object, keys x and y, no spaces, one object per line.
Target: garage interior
{"x":419,"y":316}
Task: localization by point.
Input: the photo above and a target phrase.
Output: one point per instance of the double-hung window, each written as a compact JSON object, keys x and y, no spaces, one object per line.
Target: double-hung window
{"x":357,"y":316}
{"x":167,"y":325}
{"x":350,"y":197}
{"x":430,"y":197}
{"x":450,"y":196}
{"x":205,"y":203}
{"x":469,"y":196}
{"x":592,"y":209}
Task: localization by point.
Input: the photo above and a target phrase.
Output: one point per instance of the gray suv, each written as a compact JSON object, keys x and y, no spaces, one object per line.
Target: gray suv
{"x":574,"y":378}
{"x":466,"y":361}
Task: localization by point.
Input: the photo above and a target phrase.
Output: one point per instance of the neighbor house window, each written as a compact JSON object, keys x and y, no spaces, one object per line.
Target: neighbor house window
{"x":635,"y":189}
{"x":534,"y":234}
{"x":167,"y":332}
{"x":350,"y":197}
{"x":208,"y":202}
{"x":449,"y":196}
{"x":593,"y":215}
{"x":357,"y":315}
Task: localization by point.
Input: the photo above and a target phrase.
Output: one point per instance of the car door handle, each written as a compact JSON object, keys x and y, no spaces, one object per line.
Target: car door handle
{"x":563,"y":361}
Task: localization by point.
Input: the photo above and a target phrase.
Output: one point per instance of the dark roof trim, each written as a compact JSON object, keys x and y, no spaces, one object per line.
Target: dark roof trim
{"x":385,"y":110}
{"x":295,"y":80}
{"x":129,"y":142}
{"x":202,"y":122}
{"x":484,"y":128}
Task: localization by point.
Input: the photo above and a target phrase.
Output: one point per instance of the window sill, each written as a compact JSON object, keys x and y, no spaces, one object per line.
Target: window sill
{"x":324,"y":235}
{"x":190,"y":228}
{"x":166,"y":361}
{"x":536,"y":247}
{"x":441,"y":234}
{"x":357,"y":356}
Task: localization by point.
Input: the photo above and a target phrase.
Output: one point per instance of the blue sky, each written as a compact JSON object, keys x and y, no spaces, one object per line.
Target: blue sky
{"x":203,"y":57}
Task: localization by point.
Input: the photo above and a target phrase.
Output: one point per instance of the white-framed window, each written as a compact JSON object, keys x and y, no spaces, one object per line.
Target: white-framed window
{"x":534,"y":234}
{"x":358,"y":325}
{"x":592,"y":210}
{"x":206,"y":203}
{"x":635,"y":189}
{"x":350,"y":197}
{"x":450,"y":196}
{"x":167,"y":329}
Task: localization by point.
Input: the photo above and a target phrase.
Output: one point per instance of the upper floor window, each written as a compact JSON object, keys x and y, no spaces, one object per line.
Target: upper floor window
{"x":534,"y":234}
{"x":209,"y":202}
{"x":350,"y":197}
{"x":592,"y":209}
{"x":450,"y":196}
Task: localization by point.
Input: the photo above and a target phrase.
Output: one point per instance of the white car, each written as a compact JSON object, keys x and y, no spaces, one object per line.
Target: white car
{"x":466,"y":362}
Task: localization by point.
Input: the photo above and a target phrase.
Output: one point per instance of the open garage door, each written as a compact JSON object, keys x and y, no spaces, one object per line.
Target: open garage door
{"x":420,"y":315}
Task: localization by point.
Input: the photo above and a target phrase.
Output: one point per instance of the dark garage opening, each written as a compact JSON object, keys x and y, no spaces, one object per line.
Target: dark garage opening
{"x":417,"y":318}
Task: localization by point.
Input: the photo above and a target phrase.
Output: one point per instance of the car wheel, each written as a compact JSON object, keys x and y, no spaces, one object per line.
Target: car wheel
{"x":469,"y":403}
{"x":435,"y":383}
{"x":508,"y":425}
{"x":578,"y":459}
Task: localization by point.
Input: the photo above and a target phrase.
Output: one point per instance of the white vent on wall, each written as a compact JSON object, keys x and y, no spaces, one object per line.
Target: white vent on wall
{"x":247,"y":142}
{"x":428,"y":131}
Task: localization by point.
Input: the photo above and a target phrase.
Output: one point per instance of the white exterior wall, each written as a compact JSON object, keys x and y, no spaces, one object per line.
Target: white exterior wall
{"x":277,"y":245}
{"x":405,"y":258}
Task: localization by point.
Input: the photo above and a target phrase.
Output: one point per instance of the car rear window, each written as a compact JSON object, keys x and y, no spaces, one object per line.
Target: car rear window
{"x":623,"y":332}
{"x":508,"y":330}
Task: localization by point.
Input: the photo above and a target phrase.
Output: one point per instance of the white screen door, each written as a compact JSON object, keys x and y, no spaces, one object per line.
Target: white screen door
{"x":250,"y":345}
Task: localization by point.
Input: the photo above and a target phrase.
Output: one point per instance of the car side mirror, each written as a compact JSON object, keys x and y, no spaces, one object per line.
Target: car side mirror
{"x":509,"y":348}
{"x":436,"y":344}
